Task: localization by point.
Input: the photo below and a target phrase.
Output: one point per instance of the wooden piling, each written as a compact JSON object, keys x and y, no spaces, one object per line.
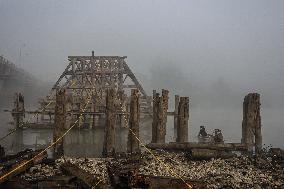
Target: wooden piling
{"x":69,"y":103}
{"x":59,"y":121}
{"x":160,"y":107}
{"x":251,"y":125}
{"x":163,"y":108}
{"x":109,"y":140}
{"x":182,"y":121}
{"x":133,"y":143}
{"x":176,"y":116}
{"x":18,"y":112}
{"x":154,"y":122}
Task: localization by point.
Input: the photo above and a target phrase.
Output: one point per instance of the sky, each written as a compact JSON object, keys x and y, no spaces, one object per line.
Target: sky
{"x":188,"y":46}
{"x":239,"y":40}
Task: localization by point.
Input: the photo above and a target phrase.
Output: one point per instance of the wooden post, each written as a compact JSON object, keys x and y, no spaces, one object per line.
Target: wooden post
{"x":251,"y":125}
{"x":121,"y":105}
{"x":186,"y":119}
{"x":69,"y":103}
{"x":160,"y":108}
{"x":154,"y":122}
{"x":109,"y":143}
{"x":180,"y":120}
{"x":176,"y":116}
{"x":163,"y":109}
{"x":94,"y":110}
{"x":19,"y":110}
{"x":133,"y":143}
{"x":182,"y":123}
{"x":59,"y":121}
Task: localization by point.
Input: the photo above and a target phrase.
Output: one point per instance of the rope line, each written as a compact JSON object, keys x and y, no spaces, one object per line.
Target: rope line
{"x":52,"y":144}
{"x":66,"y":132}
{"x":159,"y":160}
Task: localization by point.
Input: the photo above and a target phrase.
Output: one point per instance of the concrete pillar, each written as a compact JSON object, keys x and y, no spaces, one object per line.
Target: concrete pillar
{"x":251,"y":125}
{"x":182,"y":122}
{"x":133,"y":143}
{"x":59,"y":121}
{"x":109,"y":140}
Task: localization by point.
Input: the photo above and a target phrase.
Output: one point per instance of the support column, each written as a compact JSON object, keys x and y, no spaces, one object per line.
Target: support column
{"x":19,"y":110}
{"x":59,"y":121}
{"x":251,"y":125}
{"x":163,"y":116}
{"x":93,"y":109}
{"x":109,"y":141}
{"x":160,"y":108}
{"x":133,"y":143}
{"x":182,"y":123}
{"x":176,"y":116}
{"x":69,"y":104}
{"x":154,"y":122}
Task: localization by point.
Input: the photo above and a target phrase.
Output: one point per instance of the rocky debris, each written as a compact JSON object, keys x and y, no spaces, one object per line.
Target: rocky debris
{"x":41,"y":172}
{"x":266,"y":171}
{"x":95,"y":166}
{"x":238,"y":172}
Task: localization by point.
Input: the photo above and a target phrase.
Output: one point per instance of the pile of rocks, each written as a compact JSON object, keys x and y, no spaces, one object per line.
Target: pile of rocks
{"x":239,"y":172}
{"x":41,"y":171}
{"x":95,"y":166}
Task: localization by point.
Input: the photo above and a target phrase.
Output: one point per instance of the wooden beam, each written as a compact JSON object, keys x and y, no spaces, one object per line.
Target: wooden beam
{"x":192,"y":145}
{"x":89,"y":180}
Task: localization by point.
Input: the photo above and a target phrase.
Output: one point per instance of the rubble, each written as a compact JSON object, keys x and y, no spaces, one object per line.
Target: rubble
{"x":265,"y":171}
{"x":238,"y":172}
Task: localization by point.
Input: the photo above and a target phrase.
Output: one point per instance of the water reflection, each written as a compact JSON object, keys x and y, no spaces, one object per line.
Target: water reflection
{"x":80,"y":142}
{"x":77,"y":143}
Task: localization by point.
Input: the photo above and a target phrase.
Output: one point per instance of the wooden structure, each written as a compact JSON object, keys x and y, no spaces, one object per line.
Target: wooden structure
{"x":182,"y":120}
{"x":133,"y":143}
{"x":18,"y":112}
{"x":90,"y":77}
{"x":176,"y":116}
{"x":109,"y":142}
{"x":251,"y":126}
{"x":59,"y":121}
{"x":160,"y":107}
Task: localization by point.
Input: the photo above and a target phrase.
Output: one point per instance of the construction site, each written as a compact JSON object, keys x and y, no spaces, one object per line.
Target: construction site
{"x":102,"y":92}
{"x":141,"y":94}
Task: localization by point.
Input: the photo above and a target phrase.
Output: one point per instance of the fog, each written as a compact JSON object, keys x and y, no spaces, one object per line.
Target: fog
{"x":213,"y":51}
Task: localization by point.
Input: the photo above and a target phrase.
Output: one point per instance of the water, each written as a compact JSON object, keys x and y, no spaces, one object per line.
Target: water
{"x":89,"y":143}
{"x":77,"y":143}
